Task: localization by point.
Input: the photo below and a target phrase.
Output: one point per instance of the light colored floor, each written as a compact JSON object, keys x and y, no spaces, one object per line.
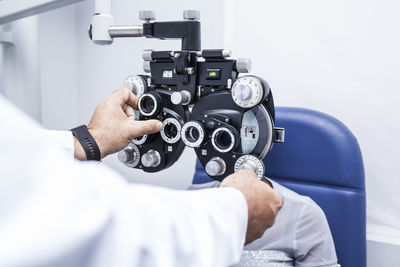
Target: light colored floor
{"x":382,"y":254}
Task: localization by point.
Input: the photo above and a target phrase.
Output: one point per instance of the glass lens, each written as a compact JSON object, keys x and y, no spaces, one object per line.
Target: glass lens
{"x":147,"y":104}
{"x":192,"y":134}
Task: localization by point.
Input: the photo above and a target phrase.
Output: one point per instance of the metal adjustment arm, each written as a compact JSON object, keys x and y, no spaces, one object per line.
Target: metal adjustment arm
{"x":188,"y":30}
{"x":102,"y":31}
{"x":132,"y":30}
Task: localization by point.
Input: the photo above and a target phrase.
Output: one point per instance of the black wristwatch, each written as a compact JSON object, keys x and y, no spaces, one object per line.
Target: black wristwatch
{"x":87,"y":141}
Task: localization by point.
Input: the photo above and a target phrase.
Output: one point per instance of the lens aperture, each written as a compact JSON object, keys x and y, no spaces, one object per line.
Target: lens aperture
{"x":193,"y":134}
{"x":149,"y":104}
{"x":171,"y":131}
{"x":223,"y":139}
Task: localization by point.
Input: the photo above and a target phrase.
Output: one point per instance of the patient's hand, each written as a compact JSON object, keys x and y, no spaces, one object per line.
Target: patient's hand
{"x":263,"y":203}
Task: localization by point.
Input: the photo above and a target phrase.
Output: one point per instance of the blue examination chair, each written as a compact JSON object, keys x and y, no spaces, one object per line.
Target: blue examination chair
{"x":321,"y":159}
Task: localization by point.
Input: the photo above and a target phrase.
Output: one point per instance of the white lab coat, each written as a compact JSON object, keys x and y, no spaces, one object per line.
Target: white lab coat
{"x":56,"y":211}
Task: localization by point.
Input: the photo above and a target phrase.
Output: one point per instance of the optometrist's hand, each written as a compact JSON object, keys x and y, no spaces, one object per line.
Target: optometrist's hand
{"x":262,"y":201}
{"x":113,"y":124}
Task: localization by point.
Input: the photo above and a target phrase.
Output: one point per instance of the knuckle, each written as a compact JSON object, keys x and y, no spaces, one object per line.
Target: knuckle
{"x":149,"y":127}
{"x":125,"y":90}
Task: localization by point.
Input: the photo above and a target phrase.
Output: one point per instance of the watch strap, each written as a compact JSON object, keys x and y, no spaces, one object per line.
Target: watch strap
{"x":87,"y":141}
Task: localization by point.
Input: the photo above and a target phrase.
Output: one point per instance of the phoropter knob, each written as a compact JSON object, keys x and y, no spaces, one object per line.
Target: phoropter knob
{"x":249,"y":91}
{"x":250,"y":162}
{"x":191,"y":15}
{"x":147,"y":55}
{"x":147,"y":15}
{"x":215,"y":167}
{"x":151,"y":159}
{"x":243,"y":65}
{"x":181,"y":98}
{"x":137,"y":84}
{"x":146,"y":66}
{"x":129,"y":156}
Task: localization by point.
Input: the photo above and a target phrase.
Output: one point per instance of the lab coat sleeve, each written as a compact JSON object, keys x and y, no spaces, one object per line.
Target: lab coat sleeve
{"x":77,"y":214}
{"x":62,"y":139}
{"x":56,"y":211}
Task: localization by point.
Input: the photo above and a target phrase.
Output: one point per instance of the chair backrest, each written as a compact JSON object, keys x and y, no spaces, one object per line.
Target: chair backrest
{"x":321,"y":159}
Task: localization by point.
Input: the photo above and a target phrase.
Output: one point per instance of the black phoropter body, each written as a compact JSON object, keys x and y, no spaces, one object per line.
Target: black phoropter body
{"x":203,"y":103}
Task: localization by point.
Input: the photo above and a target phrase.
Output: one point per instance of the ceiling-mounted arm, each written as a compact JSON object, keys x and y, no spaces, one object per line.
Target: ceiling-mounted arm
{"x":102,"y":31}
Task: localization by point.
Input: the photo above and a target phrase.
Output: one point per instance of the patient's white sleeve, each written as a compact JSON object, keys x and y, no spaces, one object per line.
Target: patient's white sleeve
{"x":55,"y":211}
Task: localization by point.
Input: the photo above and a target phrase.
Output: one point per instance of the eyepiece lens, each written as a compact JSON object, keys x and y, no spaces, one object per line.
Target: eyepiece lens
{"x":147,"y":104}
{"x":223,"y":140}
{"x":170,"y":130}
{"x":193,"y":134}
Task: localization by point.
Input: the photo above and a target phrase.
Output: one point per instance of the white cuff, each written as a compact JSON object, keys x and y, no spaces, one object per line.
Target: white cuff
{"x":61,"y":139}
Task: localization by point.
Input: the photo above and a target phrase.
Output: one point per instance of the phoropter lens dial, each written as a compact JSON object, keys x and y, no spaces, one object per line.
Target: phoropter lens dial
{"x":192,"y":134}
{"x":136,"y":84}
{"x":224,"y":139}
{"x":149,"y":104}
{"x":140,"y":140}
{"x":250,"y":162}
{"x":171,"y":130}
{"x":248,"y":91}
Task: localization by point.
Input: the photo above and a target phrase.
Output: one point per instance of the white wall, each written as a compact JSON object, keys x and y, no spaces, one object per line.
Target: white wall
{"x":58,"y":68}
{"x":342,"y":58}
{"x":20,"y":80}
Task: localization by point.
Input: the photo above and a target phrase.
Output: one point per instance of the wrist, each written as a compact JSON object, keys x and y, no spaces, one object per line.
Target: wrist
{"x":85,"y":146}
{"x":79,"y":153}
{"x":98,"y":138}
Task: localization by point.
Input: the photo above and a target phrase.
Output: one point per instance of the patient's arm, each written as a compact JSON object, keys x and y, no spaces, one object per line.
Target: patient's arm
{"x":301,"y":229}
{"x":314,"y":244}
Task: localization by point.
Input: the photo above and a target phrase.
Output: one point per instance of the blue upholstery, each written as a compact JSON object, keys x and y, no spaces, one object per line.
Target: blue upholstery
{"x":321,"y":159}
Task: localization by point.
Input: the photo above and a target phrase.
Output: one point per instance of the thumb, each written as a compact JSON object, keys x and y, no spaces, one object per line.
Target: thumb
{"x":139,"y":128}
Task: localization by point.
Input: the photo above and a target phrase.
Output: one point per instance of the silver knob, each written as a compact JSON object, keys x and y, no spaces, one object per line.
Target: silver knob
{"x":181,"y":98}
{"x":243,"y":65}
{"x":151,"y":159}
{"x":137,"y":84}
{"x":147,"y":55}
{"x":244,"y":92}
{"x":216,"y":167}
{"x":127,"y":155}
{"x":191,"y":14}
{"x":146,"y":66}
{"x":249,"y":165}
{"x":250,"y":162}
{"x":147,"y":15}
{"x":226,"y":53}
{"x":130,"y":156}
